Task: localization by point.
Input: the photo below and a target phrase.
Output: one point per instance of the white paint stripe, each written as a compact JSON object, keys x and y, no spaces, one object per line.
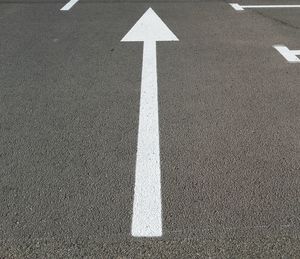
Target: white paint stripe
{"x":296,"y":52}
{"x":69,"y":5}
{"x":289,"y":55}
{"x":147,"y":221}
{"x":270,"y":6}
{"x":238,"y":7}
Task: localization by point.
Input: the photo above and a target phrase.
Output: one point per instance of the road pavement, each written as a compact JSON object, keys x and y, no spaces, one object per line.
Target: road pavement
{"x":229,"y":130}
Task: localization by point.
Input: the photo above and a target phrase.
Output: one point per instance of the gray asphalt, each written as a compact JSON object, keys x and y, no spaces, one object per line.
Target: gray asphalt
{"x":229,"y":130}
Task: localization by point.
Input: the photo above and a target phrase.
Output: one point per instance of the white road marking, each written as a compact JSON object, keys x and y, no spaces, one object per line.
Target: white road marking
{"x":69,"y":5}
{"x":236,"y":7}
{"x":239,"y":7}
{"x":147,"y":211}
{"x":289,"y":55}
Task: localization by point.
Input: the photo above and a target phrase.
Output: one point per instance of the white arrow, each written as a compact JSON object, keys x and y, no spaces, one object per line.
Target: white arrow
{"x":147,"y":212}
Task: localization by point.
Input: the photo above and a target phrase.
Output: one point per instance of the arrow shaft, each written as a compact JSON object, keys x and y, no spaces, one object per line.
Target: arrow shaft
{"x":147,"y":218}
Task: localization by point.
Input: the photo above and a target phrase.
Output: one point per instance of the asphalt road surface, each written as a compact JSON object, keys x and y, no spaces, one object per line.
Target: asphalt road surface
{"x":229,"y":129}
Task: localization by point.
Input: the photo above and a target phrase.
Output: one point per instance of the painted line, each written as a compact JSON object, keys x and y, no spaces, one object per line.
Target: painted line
{"x":239,"y":7}
{"x":236,"y":7}
{"x":69,"y":5}
{"x":289,"y":55}
{"x":147,"y":209}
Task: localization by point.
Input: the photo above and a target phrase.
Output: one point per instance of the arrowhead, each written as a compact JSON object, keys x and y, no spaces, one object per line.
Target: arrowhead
{"x":150,"y":28}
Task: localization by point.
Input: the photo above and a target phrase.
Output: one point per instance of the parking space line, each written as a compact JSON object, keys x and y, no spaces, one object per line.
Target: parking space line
{"x":69,"y":5}
{"x":289,"y":55}
{"x":239,"y":7}
{"x":147,"y":211}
